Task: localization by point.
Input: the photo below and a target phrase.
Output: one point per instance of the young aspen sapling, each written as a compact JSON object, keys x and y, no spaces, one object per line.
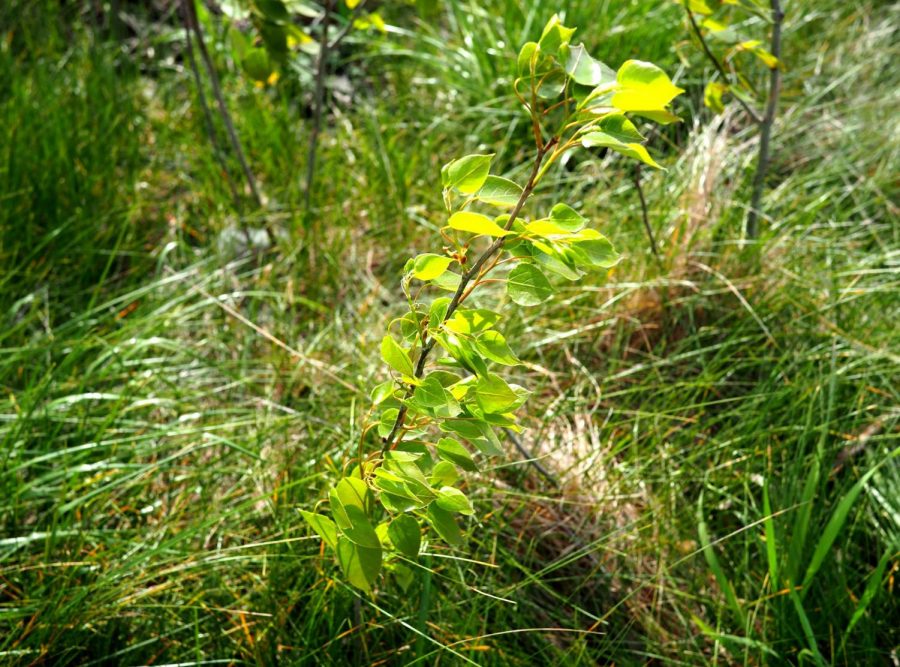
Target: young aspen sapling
{"x":437,"y":415}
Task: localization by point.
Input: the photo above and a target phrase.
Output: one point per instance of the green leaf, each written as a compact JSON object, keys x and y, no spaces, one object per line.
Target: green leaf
{"x":273,"y":10}
{"x":360,"y":530}
{"x":386,"y":423}
{"x":434,"y":399}
{"x":405,"y":535}
{"x":450,"y":450}
{"x":493,"y":345}
{"x":500,"y":192}
{"x":396,"y":357}
{"x":619,"y":127}
{"x":445,"y":525}
{"x":700,"y":7}
{"x":337,"y":509}
{"x":467,"y":174}
{"x":361,"y":565}
{"x":476,"y":223}
{"x":555,"y":35}
{"x":454,"y":500}
{"x":382,"y":392}
{"x":471,"y":320}
{"x":527,"y":286}
{"x":429,"y":266}
{"x":584,"y":69}
{"x":403,"y":574}
{"x":444,"y":474}
{"x":712,"y":96}
{"x":552,"y":84}
{"x":836,"y":523}
{"x":525,"y":58}
{"x":323,"y":526}
{"x":274,"y":38}
{"x":556,"y":261}
{"x":353,"y":492}
{"x":632,"y":150}
{"x":596,"y":252}
{"x":493,"y":394}
{"x":567,"y":218}
{"x":430,"y":394}
{"x":754,"y":46}
{"x":256,"y":64}
{"x":642,"y":86}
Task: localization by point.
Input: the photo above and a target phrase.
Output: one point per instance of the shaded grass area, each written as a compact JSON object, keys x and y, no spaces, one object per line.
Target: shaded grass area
{"x":723,"y":426}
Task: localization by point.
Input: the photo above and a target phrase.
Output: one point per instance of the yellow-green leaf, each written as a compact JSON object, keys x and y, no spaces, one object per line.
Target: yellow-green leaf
{"x":642,"y":86}
{"x":494,"y":395}
{"x":396,"y":357}
{"x":555,"y":34}
{"x":323,"y":526}
{"x":632,"y":150}
{"x":476,"y":223}
{"x":466,"y":174}
{"x":429,"y":266}
{"x":454,"y":500}
{"x":361,"y":565}
{"x":712,"y":95}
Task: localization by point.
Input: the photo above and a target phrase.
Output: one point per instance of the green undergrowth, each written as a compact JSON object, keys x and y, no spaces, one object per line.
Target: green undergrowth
{"x":720,"y":424}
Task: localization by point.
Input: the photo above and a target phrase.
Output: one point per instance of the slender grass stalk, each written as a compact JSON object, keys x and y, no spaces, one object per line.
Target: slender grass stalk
{"x":765,"y":125}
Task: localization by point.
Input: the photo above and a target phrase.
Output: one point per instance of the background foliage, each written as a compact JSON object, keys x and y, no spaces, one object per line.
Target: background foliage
{"x":719,"y":422}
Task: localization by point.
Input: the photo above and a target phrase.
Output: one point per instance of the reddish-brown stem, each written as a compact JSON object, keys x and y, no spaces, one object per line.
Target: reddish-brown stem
{"x":461,"y":291}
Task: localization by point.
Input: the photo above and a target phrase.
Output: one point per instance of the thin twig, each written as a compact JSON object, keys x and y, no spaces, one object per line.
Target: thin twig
{"x":428,"y":345}
{"x":530,"y":458}
{"x":765,"y":133}
{"x":715,"y":61}
{"x":644,"y":215}
{"x":210,"y":125}
{"x":348,"y":26}
{"x":223,"y":108}
{"x":318,"y":103}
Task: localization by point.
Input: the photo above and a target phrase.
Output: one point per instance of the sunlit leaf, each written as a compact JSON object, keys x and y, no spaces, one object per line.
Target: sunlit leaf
{"x":472,"y":320}
{"x":493,"y":345}
{"x":567,"y":217}
{"x":323,"y":526}
{"x":360,"y":531}
{"x":453,"y":500}
{"x":444,"y":474}
{"x":632,"y":150}
{"x":467,"y":174}
{"x":642,"y":86}
{"x":429,"y":266}
{"x":493,"y":394}
{"x":555,"y":34}
{"x":476,"y":223}
{"x":396,"y":357}
{"x":712,"y":95}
